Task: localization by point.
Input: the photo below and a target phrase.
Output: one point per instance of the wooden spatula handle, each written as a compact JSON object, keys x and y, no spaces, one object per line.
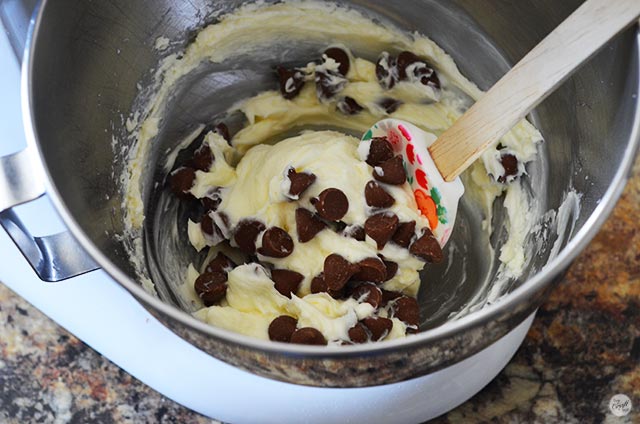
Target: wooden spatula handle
{"x":546,"y":66}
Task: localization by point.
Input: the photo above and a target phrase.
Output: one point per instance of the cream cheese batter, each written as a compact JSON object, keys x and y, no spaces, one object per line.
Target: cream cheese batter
{"x":249,"y":178}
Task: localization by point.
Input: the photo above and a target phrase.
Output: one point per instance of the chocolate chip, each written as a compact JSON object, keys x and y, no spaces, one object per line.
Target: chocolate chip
{"x":332,"y":204}
{"x":404,"y":234}
{"x":431,"y":79}
{"x":337,"y":271}
{"x":355,"y":232}
{"x":389,"y":104}
{"x":368,"y":293}
{"x":341,"y":57}
{"x":206,"y":224}
{"x":392,"y":269}
{"x":406,"y":309}
{"x":376,"y":196}
{"x":405,"y":59}
{"x":210,"y":228}
{"x":389,"y":295}
{"x":338,"y":294}
{"x":307,"y":225}
{"x":328,"y":84}
{"x":510,"y":164}
{"x":308,"y":336}
{"x":318,"y":285}
{"x":349,"y":106}
{"x":221,"y":263}
{"x":291,"y":82}
{"x":420,"y":70}
{"x":286,"y":281}
{"x":246,"y":233}
{"x":299,"y":182}
{"x":386,"y":71}
{"x":211,"y":287}
{"x":391,"y":172}
{"x":381,"y":227}
{"x":380,"y":151}
{"x":211,"y":204}
{"x":281,"y":328}
{"x":203,"y":158}
{"x":223,"y":131}
{"x":427,"y":248}
{"x":371,"y":269}
{"x":359,"y":333}
{"x":181,"y":180}
{"x":378,"y":326}
{"x":276,"y":243}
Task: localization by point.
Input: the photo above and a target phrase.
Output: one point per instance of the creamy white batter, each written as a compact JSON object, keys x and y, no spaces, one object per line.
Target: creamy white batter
{"x":331,"y":156}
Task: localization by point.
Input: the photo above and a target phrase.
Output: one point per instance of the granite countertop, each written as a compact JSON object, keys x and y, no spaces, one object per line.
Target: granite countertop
{"x":583,"y":348}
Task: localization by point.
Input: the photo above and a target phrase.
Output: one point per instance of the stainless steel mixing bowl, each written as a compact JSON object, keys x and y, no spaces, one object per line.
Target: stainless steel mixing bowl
{"x":82,"y":68}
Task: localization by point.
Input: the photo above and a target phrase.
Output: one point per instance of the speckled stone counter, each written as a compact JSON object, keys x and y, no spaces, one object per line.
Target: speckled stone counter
{"x":583,"y":348}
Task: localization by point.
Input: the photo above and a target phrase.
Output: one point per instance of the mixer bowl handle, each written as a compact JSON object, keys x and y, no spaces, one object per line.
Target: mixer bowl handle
{"x":53,"y":258}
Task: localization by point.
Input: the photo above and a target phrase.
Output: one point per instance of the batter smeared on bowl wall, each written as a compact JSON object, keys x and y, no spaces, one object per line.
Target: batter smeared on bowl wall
{"x":317,"y":238}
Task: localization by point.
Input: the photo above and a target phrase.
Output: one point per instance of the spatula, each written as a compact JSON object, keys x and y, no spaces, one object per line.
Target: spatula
{"x":434,"y":164}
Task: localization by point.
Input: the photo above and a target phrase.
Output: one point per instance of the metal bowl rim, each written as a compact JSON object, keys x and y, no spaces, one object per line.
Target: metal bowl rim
{"x":450,"y":329}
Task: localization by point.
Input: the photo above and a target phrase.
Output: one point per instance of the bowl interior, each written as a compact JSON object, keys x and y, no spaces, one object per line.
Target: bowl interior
{"x":94,"y":84}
